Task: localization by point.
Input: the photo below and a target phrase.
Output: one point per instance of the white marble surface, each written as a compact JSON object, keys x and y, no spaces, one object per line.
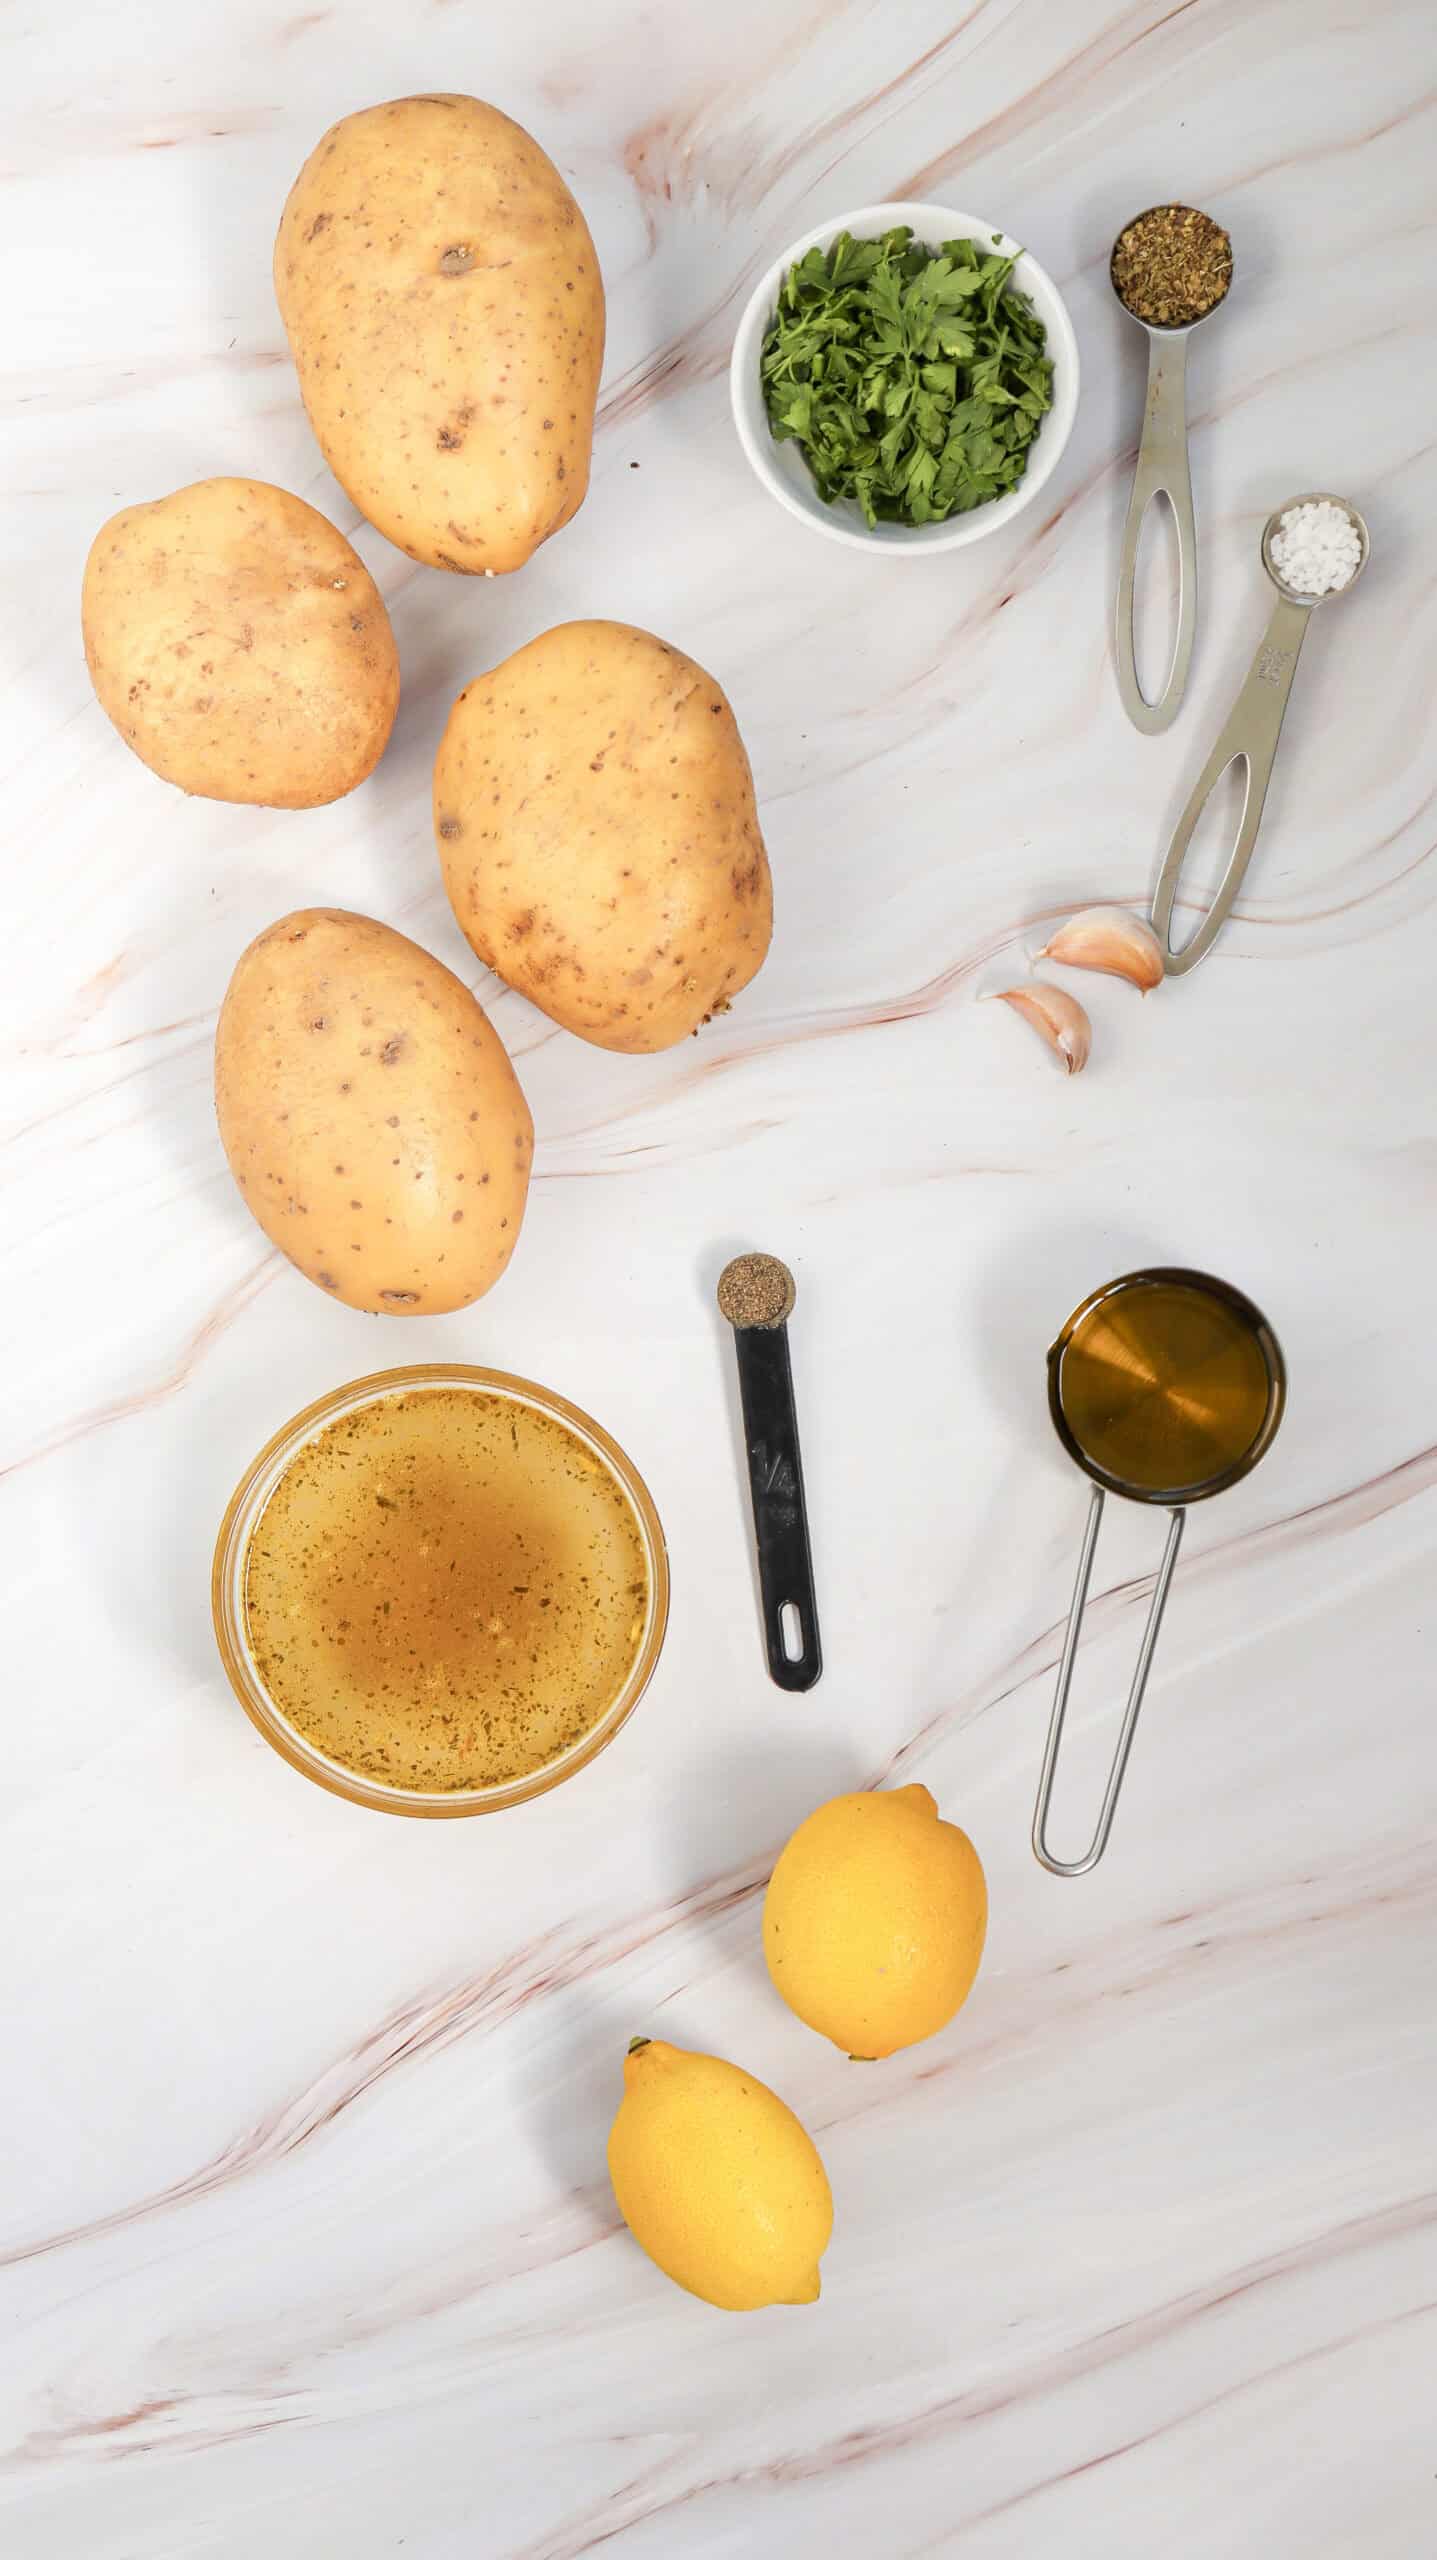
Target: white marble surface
{"x":309,"y":2245}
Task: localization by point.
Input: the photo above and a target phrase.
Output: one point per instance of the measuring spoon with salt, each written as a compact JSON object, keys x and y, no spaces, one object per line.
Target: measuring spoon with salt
{"x":1163,"y":470}
{"x":1250,"y":733}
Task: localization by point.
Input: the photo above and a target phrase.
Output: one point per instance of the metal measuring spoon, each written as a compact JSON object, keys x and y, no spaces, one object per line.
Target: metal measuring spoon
{"x":1162,"y":472}
{"x":1252,"y":730}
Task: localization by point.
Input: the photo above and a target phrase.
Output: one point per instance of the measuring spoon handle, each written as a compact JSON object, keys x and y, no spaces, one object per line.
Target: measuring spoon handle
{"x":780,"y":1514}
{"x":1253,"y":728}
{"x":1162,"y":472}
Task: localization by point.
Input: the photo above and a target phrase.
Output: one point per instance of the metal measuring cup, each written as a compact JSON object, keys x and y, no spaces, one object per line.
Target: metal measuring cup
{"x":1251,"y":731}
{"x":1162,"y":471}
{"x":1166,"y":1387}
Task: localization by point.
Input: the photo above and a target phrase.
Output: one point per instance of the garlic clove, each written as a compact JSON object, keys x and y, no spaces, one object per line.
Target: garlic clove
{"x":1057,"y":1017}
{"x":1110,"y":939}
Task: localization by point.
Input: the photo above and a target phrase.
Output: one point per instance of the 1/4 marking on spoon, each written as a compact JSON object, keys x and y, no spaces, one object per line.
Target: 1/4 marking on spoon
{"x":772,"y":1475}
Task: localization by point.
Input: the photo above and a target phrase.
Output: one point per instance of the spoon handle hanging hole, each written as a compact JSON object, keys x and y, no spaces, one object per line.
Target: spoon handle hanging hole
{"x":1251,"y":732}
{"x":1162,"y":472}
{"x":1157,"y":590}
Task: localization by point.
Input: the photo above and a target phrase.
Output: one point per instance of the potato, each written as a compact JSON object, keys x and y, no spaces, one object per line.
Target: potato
{"x":240,"y":646}
{"x":597,"y":830}
{"x":445,"y":312}
{"x":370,"y":1115}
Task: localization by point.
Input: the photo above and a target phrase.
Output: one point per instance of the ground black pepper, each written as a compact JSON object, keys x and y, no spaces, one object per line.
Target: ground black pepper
{"x":1172,"y":266}
{"x":756,"y":1288}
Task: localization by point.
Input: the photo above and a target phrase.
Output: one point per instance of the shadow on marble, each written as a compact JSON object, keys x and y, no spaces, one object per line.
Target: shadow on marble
{"x":567,"y":2094}
{"x":1021,"y":1298}
{"x":708,"y":1269}
{"x":162,"y":1500}
{"x":732,"y":1811}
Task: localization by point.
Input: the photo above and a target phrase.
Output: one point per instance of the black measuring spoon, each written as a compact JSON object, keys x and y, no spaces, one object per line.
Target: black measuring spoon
{"x":756,"y":1294}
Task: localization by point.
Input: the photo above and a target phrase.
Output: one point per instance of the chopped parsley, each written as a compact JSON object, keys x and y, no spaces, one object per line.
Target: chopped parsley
{"x":913,"y":379}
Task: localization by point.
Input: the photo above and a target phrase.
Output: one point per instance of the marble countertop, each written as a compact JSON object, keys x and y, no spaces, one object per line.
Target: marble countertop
{"x":308,"y":2244}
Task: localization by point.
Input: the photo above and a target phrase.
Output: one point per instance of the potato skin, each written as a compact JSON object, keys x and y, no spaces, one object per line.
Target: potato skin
{"x":370,"y":1115}
{"x":240,"y":646}
{"x":595,"y":817}
{"x":443,"y":304}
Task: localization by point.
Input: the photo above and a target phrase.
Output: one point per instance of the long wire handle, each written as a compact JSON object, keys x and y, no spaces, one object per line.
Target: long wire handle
{"x":1041,"y":1851}
{"x":1162,"y":471}
{"x":1251,"y":731}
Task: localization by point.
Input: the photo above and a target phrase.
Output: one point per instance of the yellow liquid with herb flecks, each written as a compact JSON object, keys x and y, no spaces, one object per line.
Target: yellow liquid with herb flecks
{"x":446,"y":1590}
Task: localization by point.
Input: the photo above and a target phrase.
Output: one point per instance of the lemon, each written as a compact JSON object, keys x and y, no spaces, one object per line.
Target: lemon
{"x":718,"y":2181}
{"x":874,"y":1921}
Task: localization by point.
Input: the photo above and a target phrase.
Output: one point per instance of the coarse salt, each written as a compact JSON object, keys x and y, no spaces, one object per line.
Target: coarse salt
{"x":1317,"y":548}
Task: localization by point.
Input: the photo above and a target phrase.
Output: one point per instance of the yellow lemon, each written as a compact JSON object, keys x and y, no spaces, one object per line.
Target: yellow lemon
{"x":718,"y":2181}
{"x":874,"y":1921}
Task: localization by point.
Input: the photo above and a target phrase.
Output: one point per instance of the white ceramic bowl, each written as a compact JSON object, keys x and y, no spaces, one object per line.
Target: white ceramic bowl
{"x":781,"y":467}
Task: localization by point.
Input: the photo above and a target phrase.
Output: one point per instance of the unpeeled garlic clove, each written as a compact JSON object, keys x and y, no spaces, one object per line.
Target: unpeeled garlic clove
{"x":1110,"y":939}
{"x":1058,"y":1017}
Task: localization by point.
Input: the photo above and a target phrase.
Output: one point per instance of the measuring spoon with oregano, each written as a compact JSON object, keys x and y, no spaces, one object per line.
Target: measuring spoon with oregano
{"x":1171,"y":268}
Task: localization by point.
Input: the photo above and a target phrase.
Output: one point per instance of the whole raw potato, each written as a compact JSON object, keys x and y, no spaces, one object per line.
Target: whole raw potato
{"x":370,"y":1115}
{"x":597,"y":829}
{"x":445,"y":312}
{"x":240,"y":646}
